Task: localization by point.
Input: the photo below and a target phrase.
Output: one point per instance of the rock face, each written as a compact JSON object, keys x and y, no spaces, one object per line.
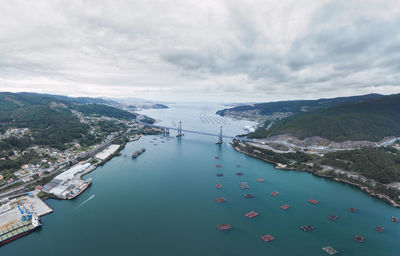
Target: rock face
{"x":317,"y":141}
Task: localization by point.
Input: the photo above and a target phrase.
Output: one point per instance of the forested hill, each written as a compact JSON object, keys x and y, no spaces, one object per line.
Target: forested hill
{"x":295,"y":106}
{"x":370,"y":120}
{"x":50,"y":117}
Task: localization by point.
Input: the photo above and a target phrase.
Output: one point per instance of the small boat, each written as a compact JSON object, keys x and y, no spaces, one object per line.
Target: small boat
{"x":359,"y":239}
{"x":239,"y":173}
{"x":306,"y":228}
{"x":248,"y":196}
{"x":251,"y":214}
{"x":379,"y":229}
{"x":352,"y":209}
{"x":218,"y":186}
{"x":333,"y":217}
{"x":260,"y":180}
{"x":313,"y":201}
{"x":224,"y":226}
{"x":217,"y":157}
{"x":238,"y":166}
{"x":275,"y":193}
{"x":393,"y":219}
{"x":218,"y":165}
{"x":285,"y":207}
{"x":267,"y":238}
{"x":220,"y":200}
{"x":219,"y":175}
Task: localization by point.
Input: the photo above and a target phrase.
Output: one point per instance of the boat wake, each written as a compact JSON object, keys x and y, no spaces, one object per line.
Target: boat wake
{"x":87,"y":200}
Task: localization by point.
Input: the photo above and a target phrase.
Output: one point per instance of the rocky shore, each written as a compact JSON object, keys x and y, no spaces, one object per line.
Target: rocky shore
{"x":365,"y":189}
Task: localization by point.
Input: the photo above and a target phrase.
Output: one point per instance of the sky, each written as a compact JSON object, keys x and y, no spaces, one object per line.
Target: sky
{"x":209,"y":50}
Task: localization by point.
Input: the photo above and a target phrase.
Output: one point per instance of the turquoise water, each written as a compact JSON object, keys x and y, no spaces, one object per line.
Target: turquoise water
{"x":163,"y":203}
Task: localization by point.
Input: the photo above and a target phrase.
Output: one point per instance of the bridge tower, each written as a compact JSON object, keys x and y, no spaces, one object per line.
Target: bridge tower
{"x":219,"y":136}
{"x":180,"y":134}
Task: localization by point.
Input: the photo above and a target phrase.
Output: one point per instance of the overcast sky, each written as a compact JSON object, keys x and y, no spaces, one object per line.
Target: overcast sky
{"x":201,"y":50}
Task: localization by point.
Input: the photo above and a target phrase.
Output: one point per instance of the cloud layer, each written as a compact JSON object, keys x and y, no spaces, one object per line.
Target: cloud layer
{"x":195,"y":50}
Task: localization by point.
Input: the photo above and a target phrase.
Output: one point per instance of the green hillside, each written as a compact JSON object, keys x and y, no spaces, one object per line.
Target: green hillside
{"x":297,"y":106}
{"x":49,"y":117}
{"x":369,"y":120}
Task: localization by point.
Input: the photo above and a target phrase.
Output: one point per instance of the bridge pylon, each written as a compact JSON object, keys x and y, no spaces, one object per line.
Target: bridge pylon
{"x":219,"y":141}
{"x":180,"y":134}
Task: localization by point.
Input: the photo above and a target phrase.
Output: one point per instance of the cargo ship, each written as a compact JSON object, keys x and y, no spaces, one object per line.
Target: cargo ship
{"x":139,"y":152}
{"x":77,"y":191}
{"x":19,"y":229}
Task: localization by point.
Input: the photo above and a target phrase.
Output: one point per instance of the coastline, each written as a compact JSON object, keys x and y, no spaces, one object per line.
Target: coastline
{"x":365,"y":189}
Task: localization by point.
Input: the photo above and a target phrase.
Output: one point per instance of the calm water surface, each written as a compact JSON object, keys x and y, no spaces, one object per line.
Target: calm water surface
{"x":163,"y":203}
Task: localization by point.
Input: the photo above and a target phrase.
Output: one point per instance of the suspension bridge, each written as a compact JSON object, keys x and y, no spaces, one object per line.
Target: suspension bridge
{"x":180,"y":132}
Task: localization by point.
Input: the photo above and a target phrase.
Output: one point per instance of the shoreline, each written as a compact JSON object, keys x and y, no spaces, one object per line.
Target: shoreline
{"x":364,"y":189}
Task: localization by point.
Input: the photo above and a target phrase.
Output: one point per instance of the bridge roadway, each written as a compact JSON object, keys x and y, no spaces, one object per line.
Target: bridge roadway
{"x":192,"y":131}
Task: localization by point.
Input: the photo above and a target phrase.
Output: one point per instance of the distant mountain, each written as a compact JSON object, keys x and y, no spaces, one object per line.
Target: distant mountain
{"x":293,"y":106}
{"x":370,"y":117}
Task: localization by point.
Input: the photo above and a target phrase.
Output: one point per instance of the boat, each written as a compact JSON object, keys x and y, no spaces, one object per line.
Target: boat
{"x":251,"y":214}
{"x":139,"y":152}
{"x":224,"y":226}
{"x":313,"y":201}
{"x":260,"y":180}
{"x":333,"y":217}
{"x":219,"y":175}
{"x":379,"y":229}
{"x":77,"y":191}
{"x":285,"y":207}
{"x":218,"y":165}
{"x":247,"y":196}
{"x":239,"y":173}
{"x":306,"y":228}
{"x":238,"y":166}
{"x":352,"y":209}
{"x":359,"y":239}
{"x":275,"y":193}
{"x":217,"y":157}
{"x":19,"y":229}
{"x":220,"y":200}
{"x":267,"y":238}
{"x":218,"y":186}
{"x":393,"y":219}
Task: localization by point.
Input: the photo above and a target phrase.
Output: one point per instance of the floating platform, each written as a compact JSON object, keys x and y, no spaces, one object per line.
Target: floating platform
{"x":139,"y":152}
{"x":359,"y":239}
{"x":285,"y":207}
{"x":333,"y":217}
{"x":260,"y":180}
{"x":220,"y":200}
{"x":251,"y":214}
{"x":329,"y":250}
{"x":306,"y":228}
{"x":393,"y":219}
{"x":218,"y":186}
{"x":239,"y":173}
{"x":275,"y":193}
{"x":244,"y":185}
{"x":248,"y":196}
{"x":238,"y":166}
{"x":379,"y":229}
{"x":312,"y":201}
{"x":218,"y":165}
{"x":219,"y":175}
{"x":224,"y":226}
{"x":267,"y":238}
{"x":352,"y":209}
